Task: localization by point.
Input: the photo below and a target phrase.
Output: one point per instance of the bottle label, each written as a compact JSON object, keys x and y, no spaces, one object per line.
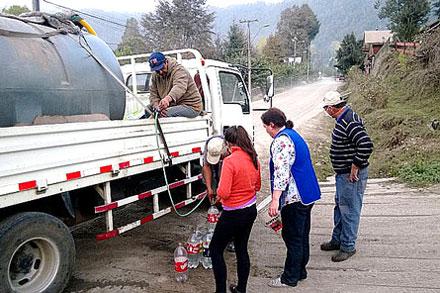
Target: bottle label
{"x":275,"y":224}
{"x":181,"y":264}
{"x":212,"y":218}
{"x":192,"y":248}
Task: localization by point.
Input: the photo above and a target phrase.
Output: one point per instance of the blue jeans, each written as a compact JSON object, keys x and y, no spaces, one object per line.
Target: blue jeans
{"x":296,"y":230}
{"x":347,"y":211}
{"x":176,"y":111}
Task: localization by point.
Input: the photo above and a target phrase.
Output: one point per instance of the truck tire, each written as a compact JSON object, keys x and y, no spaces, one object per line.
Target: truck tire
{"x":37,"y":253}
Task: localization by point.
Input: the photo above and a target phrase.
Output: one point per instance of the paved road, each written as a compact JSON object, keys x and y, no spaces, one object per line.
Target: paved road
{"x":398,"y":247}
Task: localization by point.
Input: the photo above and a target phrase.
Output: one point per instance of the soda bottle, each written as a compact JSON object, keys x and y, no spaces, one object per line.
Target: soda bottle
{"x":193,"y":248}
{"x":206,"y":258}
{"x":213,"y":215}
{"x":181,"y":263}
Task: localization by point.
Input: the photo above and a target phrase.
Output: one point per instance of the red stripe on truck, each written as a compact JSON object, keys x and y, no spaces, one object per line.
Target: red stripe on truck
{"x":105,"y":169}
{"x":180,"y":205}
{"x":124,"y":165}
{"x":73,"y":175}
{"x":27,"y":185}
{"x":174,"y":154}
{"x":177,"y":184}
{"x":146,"y":219}
{"x":197,"y":150}
{"x":144,"y":195}
{"x":104,"y":208}
{"x":148,"y":160}
{"x":107,"y":235}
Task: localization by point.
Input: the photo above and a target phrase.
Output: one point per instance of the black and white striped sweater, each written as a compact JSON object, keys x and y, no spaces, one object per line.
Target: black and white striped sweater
{"x":350,"y":143}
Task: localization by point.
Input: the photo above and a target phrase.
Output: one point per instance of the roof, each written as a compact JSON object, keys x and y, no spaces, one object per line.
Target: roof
{"x":377,"y":37}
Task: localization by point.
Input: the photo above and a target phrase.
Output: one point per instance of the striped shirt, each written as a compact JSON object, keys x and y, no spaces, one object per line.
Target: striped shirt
{"x":350,"y":143}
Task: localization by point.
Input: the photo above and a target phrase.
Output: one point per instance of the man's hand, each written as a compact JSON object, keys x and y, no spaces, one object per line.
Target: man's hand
{"x":211,"y":195}
{"x":165,"y":103}
{"x":354,"y":173}
{"x":273,"y":208}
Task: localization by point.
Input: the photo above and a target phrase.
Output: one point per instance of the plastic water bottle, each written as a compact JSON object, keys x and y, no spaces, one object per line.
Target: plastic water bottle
{"x":212,"y":218}
{"x":206,"y":258}
{"x":193,"y":248}
{"x":181,"y":263}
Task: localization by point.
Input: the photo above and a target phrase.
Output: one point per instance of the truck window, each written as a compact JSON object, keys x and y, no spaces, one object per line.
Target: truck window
{"x":142,"y":82}
{"x":233,"y":90}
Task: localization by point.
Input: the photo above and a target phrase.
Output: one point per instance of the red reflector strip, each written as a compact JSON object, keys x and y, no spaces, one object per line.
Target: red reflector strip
{"x":177,"y":184}
{"x":107,"y":235}
{"x":146,"y":219}
{"x":174,"y":154}
{"x":124,"y":165}
{"x":105,"y":169}
{"x":148,"y":160}
{"x":73,"y":175}
{"x":197,"y":150}
{"x":180,"y":205}
{"x":27,"y":185}
{"x":144,"y":195}
{"x":104,"y":208}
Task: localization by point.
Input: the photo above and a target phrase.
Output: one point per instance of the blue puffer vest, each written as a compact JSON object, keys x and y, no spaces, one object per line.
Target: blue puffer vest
{"x":302,"y":170}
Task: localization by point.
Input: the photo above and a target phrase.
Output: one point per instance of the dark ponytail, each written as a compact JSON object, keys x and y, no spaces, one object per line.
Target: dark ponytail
{"x":238,"y":136}
{"x":277,"y":117}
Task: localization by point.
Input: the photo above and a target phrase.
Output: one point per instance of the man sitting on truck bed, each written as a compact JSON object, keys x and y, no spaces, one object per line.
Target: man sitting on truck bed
{"x":172,"y":90}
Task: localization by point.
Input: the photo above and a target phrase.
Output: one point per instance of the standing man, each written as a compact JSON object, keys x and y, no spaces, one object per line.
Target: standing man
{"x":294,"y":189}
{"x":350,"y":150}
{"x":172,"y":91}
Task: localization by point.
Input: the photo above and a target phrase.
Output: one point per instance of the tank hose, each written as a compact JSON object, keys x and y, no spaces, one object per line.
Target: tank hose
{"x":156,"y":116}
{"x":79,"y":21}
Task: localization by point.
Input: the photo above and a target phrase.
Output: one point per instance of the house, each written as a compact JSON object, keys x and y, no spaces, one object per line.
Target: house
{"x":373,"y":42}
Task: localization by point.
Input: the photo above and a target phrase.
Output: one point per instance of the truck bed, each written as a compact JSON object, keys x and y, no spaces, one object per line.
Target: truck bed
{"x":39,"y":161}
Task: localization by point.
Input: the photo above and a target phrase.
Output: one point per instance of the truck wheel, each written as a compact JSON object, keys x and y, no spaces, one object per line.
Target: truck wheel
{"x":37,"y":253}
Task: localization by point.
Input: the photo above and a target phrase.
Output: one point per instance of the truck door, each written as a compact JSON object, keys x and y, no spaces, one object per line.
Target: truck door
{"x":236,"y":107}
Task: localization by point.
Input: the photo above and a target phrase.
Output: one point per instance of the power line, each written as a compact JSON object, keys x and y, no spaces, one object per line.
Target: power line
{"x":88,"y":14}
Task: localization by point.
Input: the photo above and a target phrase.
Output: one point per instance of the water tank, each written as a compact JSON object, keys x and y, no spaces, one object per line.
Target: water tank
{"x":54,"y":76}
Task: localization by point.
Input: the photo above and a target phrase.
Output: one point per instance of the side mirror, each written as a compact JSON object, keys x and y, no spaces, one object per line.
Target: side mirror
{"x":269,"y":88}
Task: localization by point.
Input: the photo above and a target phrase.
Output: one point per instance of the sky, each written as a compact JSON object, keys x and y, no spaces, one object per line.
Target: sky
{"x":118,"y":5}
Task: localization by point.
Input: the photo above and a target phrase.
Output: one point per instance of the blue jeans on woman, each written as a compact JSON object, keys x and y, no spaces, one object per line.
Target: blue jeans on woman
{"x":347,"y":211}
{"x":296,"y":230}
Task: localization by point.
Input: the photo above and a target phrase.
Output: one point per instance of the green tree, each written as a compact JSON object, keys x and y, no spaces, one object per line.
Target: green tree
{"x":436,"y":8}
{"x":406,"y":17}
{"x":132,"y":40}
{"x":15,"y":9}
{"x":273,"y":51}
{"x":349,"y":54}
{"x":235,"y":44}
{"x":296,"y":28}
{"x":179,"y":24}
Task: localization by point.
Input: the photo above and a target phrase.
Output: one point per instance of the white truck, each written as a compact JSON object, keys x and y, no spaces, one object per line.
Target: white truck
{"x":54,"y":176}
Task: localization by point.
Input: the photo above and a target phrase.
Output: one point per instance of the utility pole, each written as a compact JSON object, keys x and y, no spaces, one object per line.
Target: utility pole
{"x":248,"y":22}
{"x":36,"y":5}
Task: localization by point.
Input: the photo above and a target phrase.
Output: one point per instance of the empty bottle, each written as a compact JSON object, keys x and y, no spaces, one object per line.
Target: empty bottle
{"x":206,"y":258}
{"x":181,"y":263}
{"x":213,"y":215}
{"x":193,"y":248}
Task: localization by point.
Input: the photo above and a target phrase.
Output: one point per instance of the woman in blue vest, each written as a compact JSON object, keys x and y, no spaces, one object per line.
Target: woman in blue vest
{"x":294,"y":189}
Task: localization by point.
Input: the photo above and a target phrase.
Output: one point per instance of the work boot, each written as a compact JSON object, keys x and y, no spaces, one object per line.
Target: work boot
{"x":342,"y":255}
{"x":233,"y":289}
{"x":329,"y":246}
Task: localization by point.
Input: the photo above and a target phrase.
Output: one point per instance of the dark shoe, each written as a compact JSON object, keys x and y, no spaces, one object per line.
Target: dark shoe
{"x":342,"y":255}
{"x":233,"y":289}
{"x":303,"y":277}
{"x":329,"y":246}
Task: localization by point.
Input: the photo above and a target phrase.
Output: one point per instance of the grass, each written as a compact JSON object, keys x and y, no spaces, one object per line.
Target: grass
{"x":398,"y":107}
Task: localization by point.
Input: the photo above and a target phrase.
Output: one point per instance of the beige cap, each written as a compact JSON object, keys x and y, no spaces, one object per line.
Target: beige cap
{"x":215,"y":149}
{"x":332,"y":98}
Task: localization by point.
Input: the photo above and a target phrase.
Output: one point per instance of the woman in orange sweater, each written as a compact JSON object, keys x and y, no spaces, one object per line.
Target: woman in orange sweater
{"x":239,"y":182}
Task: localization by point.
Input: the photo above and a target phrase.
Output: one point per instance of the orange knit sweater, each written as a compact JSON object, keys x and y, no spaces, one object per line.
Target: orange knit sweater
{"x":239,"y":180}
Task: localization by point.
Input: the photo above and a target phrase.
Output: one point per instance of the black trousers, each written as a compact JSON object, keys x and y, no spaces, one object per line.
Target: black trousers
{"x":296,"y":230}
{"x":236,"y":225}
